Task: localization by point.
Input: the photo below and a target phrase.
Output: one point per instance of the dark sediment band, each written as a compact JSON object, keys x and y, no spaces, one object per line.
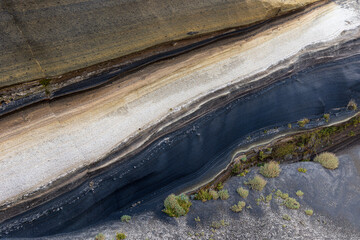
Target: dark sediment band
{"x":175,"y":158}
{"x":16,"y":97}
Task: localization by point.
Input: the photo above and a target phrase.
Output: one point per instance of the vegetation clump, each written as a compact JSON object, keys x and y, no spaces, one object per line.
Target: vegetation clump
{"x":299,"y":193}
{"x":223,"y":194}
{"x":120,"y":236}
{"x":219,"y":186}
{"x":257,"y":183}
{"x":302,"y":170}
{"x":125,"y":218}
{"x":278,"y":193}
{"x":270,"y":170}
{"x":309,"y":212}
{"x":242,"y":192}
{"x":327,"y":117}
{"x":268,"y":198}
{"x":236,"y":168}
{"x":327,"y":160}
{"x":291,"y":203}
{"x":100,"y":236}
{"x":45,"y":82}
{"x":284,"y":196}
{"x":214,"y":194}
{"x":243,"y":174}
{"x":219,"y":224}
{"x":283,"y":150}
{"x":203,"y":195}
{"x":303,"y":122}
{"x":197,"y":219}
{"x":286,"y":217}
{"x":238,"y":207}
{"x":352,"y":105}
{"x":176,"y":206}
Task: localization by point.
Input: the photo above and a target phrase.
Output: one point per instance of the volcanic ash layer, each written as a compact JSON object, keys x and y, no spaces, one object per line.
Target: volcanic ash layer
{"x":51,"y":148}
{"x":49,"y":38}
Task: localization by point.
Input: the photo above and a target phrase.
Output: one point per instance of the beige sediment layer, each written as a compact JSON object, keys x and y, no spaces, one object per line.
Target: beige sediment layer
{"x":48,"y":141}
{"x":48,"y":38}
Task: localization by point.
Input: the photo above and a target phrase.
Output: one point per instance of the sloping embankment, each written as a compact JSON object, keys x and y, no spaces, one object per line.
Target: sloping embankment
{"x":48,"y":38}
{"x":54,"y":147}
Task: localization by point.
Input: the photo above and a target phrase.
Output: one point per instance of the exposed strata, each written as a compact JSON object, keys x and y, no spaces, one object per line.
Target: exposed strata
{"x":332,"y":195}
{"x":86,"y":131}
{"x":46,"y":39}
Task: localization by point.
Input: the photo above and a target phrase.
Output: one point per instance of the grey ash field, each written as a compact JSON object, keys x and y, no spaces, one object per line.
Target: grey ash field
{"x":333,"y":195}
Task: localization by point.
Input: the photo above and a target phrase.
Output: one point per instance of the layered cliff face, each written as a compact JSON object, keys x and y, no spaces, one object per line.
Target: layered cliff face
{"x":49,"y":38}
{"x":71,"y":161}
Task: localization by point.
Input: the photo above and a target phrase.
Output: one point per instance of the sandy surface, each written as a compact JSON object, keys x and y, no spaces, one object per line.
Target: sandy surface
{"x":43,"y":143}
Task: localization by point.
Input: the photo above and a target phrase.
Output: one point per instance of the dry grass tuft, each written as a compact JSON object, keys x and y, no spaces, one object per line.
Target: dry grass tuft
{"x":327,"y":160}
{"x":257,"y":183}
{"x":270,"y":170}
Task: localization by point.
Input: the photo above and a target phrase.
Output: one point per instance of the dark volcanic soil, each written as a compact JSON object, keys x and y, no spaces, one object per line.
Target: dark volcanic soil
{"x":334,"y":195}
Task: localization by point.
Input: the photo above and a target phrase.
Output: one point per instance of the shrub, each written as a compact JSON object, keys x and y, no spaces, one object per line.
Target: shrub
{"x":238,"y":207}
{"x":303,"y":122}
{"x":270,"y":170}
{"x":327,"y":160}
{"x":214,"y":194}
{"x":284,"y":195}
{"x":197,"y":219}
{"x":352,"y":105}
{"x":278,"y":193}
{"x":100,"y":236}
{"x":303,"y":170}
{"x":219,"y":186}
{"x":289,"y":125}
{"x":286,"y":217}
{"x":268,"y":198}
{"x":203,"y":195}
{"x":242,"y":192}
{"x":257,"y":183}
{"x":120,"y":236}
{"x":125,"y":218}
{"x":299,"y":193}
{"x":309,"y":212}
{"x":223,"y":194}
{"x":327,"y":117}
{"x":176,"y":206}
{"x":291,"y":203}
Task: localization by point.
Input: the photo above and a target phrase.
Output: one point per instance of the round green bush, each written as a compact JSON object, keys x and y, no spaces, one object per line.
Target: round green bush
{"x":120,"y":236}
{"x":223,"y":194}
{"x":299,"y":193}
{"x":270,"y":170}
{"x":291,"y":203}
{"x":242,"y":192}
{"x":176,"y":206}
{"x":327,"y":160}
{"x":257,"y":183}
{"x":125,"y":218}
{"x":309,"y":212}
